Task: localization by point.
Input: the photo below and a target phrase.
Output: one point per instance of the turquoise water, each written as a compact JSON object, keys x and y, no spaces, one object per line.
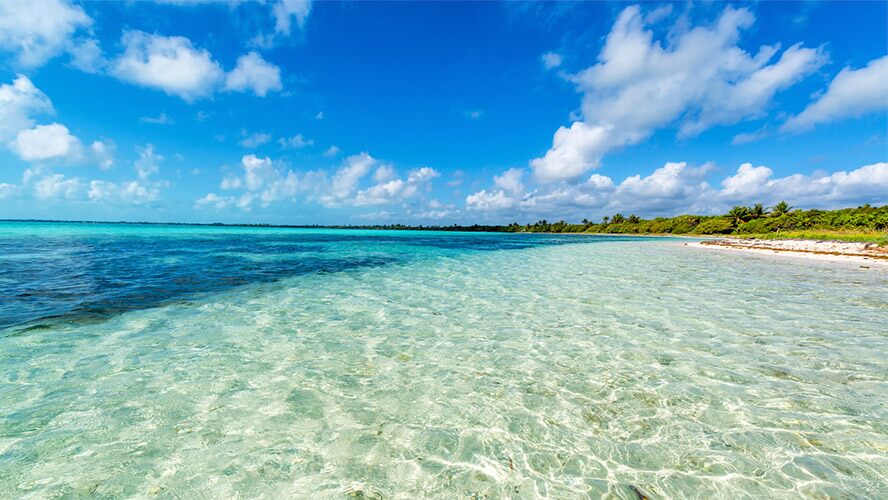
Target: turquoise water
{"x":193,"y":362}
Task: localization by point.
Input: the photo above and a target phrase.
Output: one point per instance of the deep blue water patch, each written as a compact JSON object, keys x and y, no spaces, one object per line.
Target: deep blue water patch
{"x":85,"y":272}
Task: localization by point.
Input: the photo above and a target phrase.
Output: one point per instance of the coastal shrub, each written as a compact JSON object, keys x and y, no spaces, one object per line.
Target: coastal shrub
{"x":715,"y":225}
{"x":684,"y":224}
{"x":763,"y":225}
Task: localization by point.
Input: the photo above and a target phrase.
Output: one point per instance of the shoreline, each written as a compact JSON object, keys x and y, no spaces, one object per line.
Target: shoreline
{"x":866,"y":255}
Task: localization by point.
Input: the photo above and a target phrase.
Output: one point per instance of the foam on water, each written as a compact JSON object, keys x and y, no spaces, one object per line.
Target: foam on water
{"x":619,"y":368}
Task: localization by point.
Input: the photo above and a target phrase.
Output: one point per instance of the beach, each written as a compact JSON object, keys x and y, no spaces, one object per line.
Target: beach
{"x":865,"y":254}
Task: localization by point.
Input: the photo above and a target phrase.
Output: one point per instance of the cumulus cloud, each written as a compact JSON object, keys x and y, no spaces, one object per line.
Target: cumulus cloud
{"x":169,"y":63}
{"x":140,"y":191}
{"x":56,"y":186}
{"x":489,"y":200}
{"x":134,"y":192}
{"x":346,"y":178}
{"x":396,"y":189}
{"x":574,"y":151}
{"x":143,"y":189}
{"x":867,"y":184}
{"x":47,"y":142}
{"x":551,"y":60}
{"x":332,"y":151}
{"x":383,"y":173}
{"x":344,"y":187}
{"x":262,"y":180}
{"x":255,"y":139}
{"x":214,"y":200}
{"x":285,"y":10}
{"x":103,"y":153}
{"x":699,"y":77}
{"x":852,"y":93}
{"x":295,"y":142}
{"x":174,"y":65}
{"x":18,"y":102}
{"x":677,"y":188}
{"x":35,"y":31}
{"x":148,"y":162}
{"x":510,"y":180}
{"x":86,"y":55}
{"x":253,"y":73}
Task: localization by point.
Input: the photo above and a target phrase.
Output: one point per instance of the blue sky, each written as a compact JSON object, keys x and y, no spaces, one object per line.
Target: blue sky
{"x":288,"y":111}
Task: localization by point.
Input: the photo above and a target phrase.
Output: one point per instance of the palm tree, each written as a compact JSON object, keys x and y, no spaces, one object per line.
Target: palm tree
{"x":739,"y":215}
{"x":633,"y":219}
{"x":617,"y":218}
{"x":780,"y":208}
{"x":757,"y":211}
{"x":605,"y":219}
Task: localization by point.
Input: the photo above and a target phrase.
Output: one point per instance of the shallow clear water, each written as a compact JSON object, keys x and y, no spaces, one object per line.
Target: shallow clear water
{"x":223,"y":362}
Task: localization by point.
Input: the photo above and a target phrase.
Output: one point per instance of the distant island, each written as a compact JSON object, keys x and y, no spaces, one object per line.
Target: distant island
{"x":861,"y":224}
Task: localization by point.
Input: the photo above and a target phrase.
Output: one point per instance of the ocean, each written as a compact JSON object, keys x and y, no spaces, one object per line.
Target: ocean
{"x":222,"y":362}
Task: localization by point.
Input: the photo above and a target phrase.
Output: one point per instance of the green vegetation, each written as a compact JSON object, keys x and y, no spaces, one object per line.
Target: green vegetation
{"x":864,"y":223}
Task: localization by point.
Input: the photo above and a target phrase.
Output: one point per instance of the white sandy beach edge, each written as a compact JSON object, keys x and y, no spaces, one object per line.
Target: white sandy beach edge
{"x":810,"y":250}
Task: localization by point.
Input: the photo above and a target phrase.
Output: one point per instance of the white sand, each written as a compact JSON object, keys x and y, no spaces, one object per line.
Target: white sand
{"x":867,"y":255}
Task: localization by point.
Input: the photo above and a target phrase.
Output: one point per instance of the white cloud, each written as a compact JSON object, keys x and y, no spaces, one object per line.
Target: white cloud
{"x":103,"y":153}
{"x":18,"y":102}
{"x":346,"y":178}
{"x":343,"y":189}
{"x":255,"y":139}
{"x":161,"y":119}
{"x":699,"y":76}
{"x":332,"y":151}
{"x":261,"y":179}
{"x":47,"y":142}
{"x":510,"y":180}
{"x":38,"y":30}
{"x":551,"y":60}
{"x":677,"y":188}
{"x":56,"y":186}
{"x":285,"y":10}
{"x":867,"y":184}
{"x":86,"y":55}
{"x":8,"y":190}
{"x":493,"y":200}
{"x":148,"y":162}
{"x":380,"y":193}
{"x":139,"y":191}
{"x":254,"y":73}
{"x":171,"y":64}
{"x":396,"y":189}
{"x":295,"y":142}
{"x":383,"y":173}
{"x":673,"y":185}
{"x":747,"y":137}
{"x":852,"y":93}
{"x":574,"y":151}
{"x":211,"y":199}
{"x":135,"y":192}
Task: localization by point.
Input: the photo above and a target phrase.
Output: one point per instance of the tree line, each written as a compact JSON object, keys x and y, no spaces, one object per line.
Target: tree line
{"x":755,"y":219}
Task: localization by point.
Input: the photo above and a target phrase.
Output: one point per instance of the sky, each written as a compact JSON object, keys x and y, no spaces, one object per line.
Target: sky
{"x":293,"y":112}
